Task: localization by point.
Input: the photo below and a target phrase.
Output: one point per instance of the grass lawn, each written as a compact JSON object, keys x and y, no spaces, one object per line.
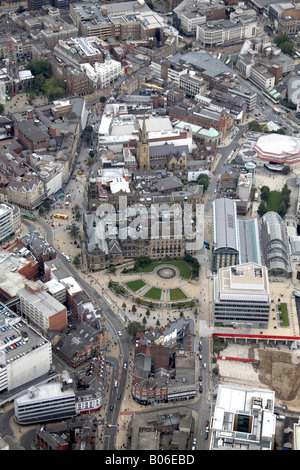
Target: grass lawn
{"x":135,"y":285}
{"x":274,"y":201}
{"x":283,"y":314}
{"x":177,"y":294}
{"x":153,"y":293}
{"x":184,"y":269}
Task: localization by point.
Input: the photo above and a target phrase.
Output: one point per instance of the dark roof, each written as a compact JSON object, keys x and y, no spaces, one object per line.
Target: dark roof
{"x":31,"y":131}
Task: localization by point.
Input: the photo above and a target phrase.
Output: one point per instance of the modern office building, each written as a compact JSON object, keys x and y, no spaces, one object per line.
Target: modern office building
{"x":243,"y":419}
{"x":41,"y":308}
{"x":49,"y":402}
{"x":250,"y":96}
{"x":242,"y":296}
{"x":226,"y":32}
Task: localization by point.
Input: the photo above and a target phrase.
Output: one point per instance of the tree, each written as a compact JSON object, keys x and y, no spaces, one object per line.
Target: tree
{"x":285,"y":44}
{"x":254,"y":126}
{"x":54,"y":93}
{"x":203,"y":180}
{"x":261,"y":209}
{"x":40,"y":67}
{"x":73,"y":231}
{"x":282,"y":209}
{"x":1,"y":109}
{"x":133,"y":309}
{"x":54,"y":88}
{"x":135,"y":327}
{"x":286,"y":170}
{"x":76,"y":261}
{"x":265,"y":193}
{"x":287,"y":48}
{"x":47,"y":205}
{"x":39,"y":82}
{"x":285,"y":191}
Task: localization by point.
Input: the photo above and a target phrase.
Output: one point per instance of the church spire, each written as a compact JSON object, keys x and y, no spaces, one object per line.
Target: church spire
{"x":144,"y":138}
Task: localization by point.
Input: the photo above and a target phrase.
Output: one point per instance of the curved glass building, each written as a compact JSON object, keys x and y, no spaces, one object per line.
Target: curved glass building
{"x":274,"y":244}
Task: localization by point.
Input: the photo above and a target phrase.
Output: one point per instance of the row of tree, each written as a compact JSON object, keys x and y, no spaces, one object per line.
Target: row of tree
{"x":284,"y":202}
{"x":255,"y":126}
{"x":45,"y":82}
{"x":284,"y":42}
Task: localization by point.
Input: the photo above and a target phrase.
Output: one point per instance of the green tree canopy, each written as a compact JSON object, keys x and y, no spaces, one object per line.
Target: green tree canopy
{"x":261,"y":209}
{"x":203,"y":180}
{"x":284,"y":42}
{"x":73,"y":230}
{"x":135,"y":327}
{"x":40,"y":67}
{"x":76,"y":260}
{"x":264,"y":193}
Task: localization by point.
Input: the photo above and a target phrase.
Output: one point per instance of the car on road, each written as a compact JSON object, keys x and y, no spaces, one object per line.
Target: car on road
{"x":206,"y":423}
{"x":119,"y":333}
{"x":111,"y":407}
{"x":107,"y":424}
{"x":206,"y":436}
{"x":116,"y":383}
{"x":119,"y":396}
{"x":125,"y":366}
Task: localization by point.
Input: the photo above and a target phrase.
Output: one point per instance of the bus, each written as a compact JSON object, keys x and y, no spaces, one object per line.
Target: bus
{"x":276,"y":110}
{"x":61,"y":216}
{"x":29,"y":216}
{"x":61,"y":196}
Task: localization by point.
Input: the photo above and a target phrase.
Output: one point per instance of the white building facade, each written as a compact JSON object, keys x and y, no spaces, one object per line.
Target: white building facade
{"x":103,"y":74}
{"x":6,"y":221}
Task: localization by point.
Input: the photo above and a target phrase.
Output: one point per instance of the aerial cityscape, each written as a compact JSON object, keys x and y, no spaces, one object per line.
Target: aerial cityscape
{"x":150,"y":227}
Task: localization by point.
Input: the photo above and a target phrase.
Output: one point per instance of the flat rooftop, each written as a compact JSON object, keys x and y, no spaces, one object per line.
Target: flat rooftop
{"x":249,"y":280}
{"x":14,"y":331}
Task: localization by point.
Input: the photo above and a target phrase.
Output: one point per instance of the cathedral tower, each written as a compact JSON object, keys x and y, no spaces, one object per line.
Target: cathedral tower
{"x":143,"y":153}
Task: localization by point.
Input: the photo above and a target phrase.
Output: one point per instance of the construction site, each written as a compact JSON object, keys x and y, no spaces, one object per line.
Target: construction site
{"x":273,"y":366}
